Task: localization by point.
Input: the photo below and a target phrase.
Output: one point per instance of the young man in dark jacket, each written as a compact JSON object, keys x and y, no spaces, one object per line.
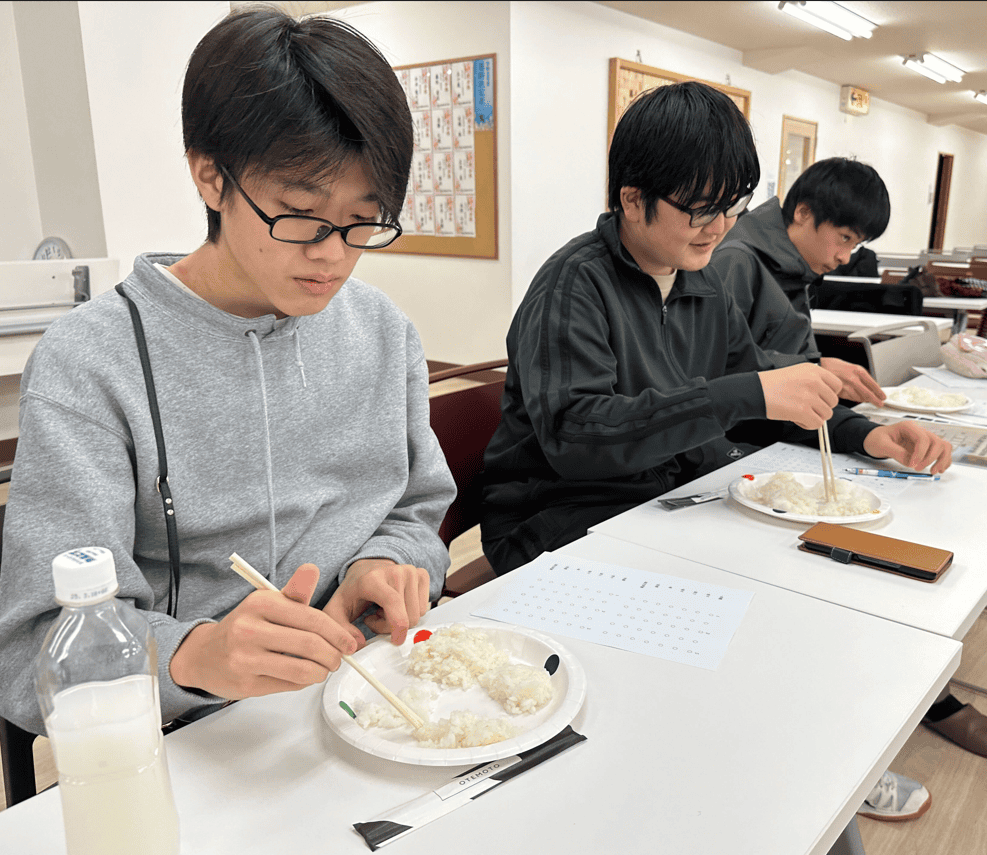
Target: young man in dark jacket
{"x":834,"y":205}
{"x":629,"y":361}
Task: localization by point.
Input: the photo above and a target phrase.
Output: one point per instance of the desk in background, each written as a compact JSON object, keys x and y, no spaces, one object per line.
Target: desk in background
{"x":267,"y":775}
{"x":831,"y":327}
{"x":835,"y":322}
{"x":957,"y":307}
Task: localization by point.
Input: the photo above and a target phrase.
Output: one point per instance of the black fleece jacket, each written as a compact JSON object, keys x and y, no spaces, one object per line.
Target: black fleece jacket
{"x":613,"y":397}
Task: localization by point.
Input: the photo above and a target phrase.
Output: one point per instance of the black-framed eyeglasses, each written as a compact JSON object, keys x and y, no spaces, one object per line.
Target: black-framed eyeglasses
{"x":293,"y":228}
{"x":700,"y":217}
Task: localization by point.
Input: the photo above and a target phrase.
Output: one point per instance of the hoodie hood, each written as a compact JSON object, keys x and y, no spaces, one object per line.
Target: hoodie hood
{"x":763,"y":231}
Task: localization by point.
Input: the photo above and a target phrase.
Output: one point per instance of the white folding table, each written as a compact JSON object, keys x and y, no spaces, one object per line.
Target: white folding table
{"x":729,"y":536}
{"x":677,"y":758}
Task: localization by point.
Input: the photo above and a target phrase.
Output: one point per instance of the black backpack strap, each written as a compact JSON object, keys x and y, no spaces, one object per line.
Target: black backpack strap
{"x":162,"y":483}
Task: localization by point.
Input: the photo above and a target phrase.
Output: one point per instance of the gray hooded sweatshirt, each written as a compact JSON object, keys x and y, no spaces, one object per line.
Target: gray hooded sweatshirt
{"x":289,"y":441}
{"x":769,"y":280}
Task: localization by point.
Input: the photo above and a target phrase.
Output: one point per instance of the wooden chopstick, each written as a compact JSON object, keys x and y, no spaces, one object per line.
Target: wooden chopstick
{"x":826,"y":455}
{"x":260,"y":582}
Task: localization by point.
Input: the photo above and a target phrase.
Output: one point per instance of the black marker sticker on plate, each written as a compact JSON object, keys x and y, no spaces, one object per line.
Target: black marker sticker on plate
{"x":552,"y":664}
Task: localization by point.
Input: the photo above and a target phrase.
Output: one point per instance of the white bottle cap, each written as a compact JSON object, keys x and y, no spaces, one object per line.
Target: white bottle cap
{"x":84,"y":576}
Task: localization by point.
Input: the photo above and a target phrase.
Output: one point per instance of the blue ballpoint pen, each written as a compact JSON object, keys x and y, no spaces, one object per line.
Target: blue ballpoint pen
{"x":891,"y":473}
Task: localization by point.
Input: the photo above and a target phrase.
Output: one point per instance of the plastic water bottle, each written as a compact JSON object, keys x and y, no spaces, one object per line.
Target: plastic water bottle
{"x":97,"y":683}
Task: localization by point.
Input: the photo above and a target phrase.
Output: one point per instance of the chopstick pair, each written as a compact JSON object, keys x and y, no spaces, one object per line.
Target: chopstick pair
{"x":826,"y":454}
{"x":260,"y":582}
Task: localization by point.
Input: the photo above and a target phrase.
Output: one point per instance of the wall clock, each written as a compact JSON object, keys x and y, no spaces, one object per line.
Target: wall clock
{"x":52,"y":248}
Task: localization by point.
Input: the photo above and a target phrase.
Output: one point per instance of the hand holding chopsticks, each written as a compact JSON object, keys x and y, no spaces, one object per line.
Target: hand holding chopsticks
{"x":826,"y":455}
{"x":241,"y":567}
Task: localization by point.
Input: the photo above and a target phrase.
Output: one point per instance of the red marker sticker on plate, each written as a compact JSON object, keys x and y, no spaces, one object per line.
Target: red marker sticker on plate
{"x":422,"y":635}
{"x":749,"y":477}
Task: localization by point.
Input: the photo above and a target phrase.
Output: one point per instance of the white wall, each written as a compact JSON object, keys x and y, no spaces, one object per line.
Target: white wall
{"x":135,"y":55}
{"x":58,"y":116}
{"x":461,"y":307}
{"x":552,"y":92}
{"x":21,"y":230}
{"x":561,"y":51}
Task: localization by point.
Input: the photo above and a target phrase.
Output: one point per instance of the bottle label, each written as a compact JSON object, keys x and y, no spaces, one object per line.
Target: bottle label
{"x":84,"y":556}
{"x":92,"y":595}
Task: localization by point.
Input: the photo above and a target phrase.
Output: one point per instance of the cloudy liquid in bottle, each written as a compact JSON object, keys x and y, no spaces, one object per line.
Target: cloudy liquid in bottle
{"x":112,"y":772}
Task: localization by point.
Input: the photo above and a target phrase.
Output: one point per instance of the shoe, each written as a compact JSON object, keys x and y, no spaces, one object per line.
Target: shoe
{"x":967,"y":727}
{"x":896,"y":798}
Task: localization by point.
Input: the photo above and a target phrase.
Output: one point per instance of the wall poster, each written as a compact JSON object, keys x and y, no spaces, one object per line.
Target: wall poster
{"x":451,"y":205}
{"x":629,"y":79}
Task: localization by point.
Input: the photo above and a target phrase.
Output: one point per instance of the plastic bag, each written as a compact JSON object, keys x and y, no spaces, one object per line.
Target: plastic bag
{"x":966,"y":355}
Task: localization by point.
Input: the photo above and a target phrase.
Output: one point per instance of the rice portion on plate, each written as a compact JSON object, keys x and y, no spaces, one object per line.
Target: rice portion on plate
{"x":784,"y":492}
{"x":458,"y":659}
{"x":464,"y":729}
{"x":455,"y":656}
{"x":916,"y":396}
{"x":519,"y":689}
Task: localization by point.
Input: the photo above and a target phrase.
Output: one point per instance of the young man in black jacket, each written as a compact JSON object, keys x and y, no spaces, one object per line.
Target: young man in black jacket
{"x":630,"y":359}
{"x":629,"y":362}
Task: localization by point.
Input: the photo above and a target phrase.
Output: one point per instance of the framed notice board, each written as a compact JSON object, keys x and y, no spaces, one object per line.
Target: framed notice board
{"x":629,"y":79}
{"x":451,"y":205}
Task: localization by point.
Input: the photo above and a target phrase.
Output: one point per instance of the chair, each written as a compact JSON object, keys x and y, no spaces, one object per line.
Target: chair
{"x":463,"y":420}
{"x":893,"y":350}
{"x":17,"y":748}
{"x":16,"y":745}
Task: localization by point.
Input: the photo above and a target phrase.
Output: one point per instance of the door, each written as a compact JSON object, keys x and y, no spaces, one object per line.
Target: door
{"x":940,"y":202}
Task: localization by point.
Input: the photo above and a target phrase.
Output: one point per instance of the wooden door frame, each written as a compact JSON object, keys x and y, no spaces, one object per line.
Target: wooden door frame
{"x":940,"y":201}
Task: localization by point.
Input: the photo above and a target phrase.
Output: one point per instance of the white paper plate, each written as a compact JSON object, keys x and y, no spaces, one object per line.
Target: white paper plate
{"x":916,"y":408}
{"x":742,"y":488}
{"x":387,"y":663}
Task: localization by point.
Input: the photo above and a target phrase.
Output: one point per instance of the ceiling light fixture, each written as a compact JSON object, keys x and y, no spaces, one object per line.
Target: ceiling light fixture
{"x":980,"y":96}
{"x":831,"y":17}
{"x":931,"y":66}
{"x":915,"y":64}
{"x":940,"y":66}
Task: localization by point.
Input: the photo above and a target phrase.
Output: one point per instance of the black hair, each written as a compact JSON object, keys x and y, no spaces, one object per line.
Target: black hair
{"x":843,"y":192}
{"x":267,"y":93}
{"x":686,"y":139}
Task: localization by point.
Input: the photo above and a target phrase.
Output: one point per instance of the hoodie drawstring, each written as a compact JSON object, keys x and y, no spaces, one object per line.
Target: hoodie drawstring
{"x":298,"y":357}
{"x":268,"y":463}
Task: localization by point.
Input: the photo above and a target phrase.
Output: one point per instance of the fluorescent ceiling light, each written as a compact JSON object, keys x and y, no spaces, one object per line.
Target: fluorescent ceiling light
{"x":980,"y":96}
{"x":916,"y":65}
{"x":934,"y":68}
{"x":831,"y":17}
{"x":943,"y":68}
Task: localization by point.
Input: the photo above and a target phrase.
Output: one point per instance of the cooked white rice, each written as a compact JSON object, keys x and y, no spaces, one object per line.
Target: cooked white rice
{"x":464,"y":729}
{"x":460,"y":658}
{"x":519,"y":689}
{"x":784,"y":492}
{"x":916,"y":396}
{"x":455,"y":656}
{"x":420,"y":697}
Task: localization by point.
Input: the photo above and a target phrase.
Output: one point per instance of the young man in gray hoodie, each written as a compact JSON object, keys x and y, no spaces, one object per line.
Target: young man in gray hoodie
{"x":776,"y":251}
{"x":293,"y":398}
